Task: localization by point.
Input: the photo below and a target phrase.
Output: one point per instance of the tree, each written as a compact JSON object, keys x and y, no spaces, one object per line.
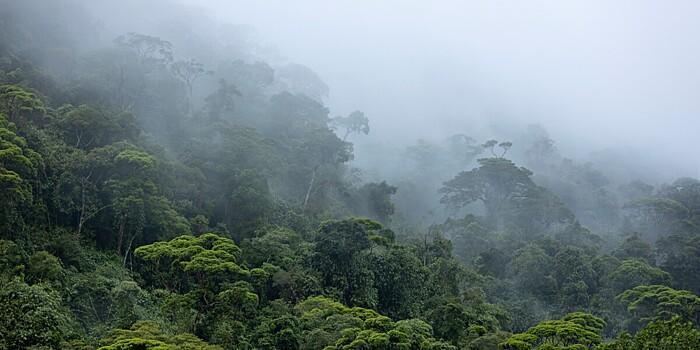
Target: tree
{"x":354,"y":123}
{"x":656,"y":214}
{"x":632,"y":273}
{"x":401,"y":282}
{"x":449,"y":320}
{"x":86,"y":127}
{"x":120,"y":187}
{"x":657,"y":302}
{"x":633,"y":247}
{"x":574,"y":329}
{"x":42,"y":266}
{"x":188,"y":71}
{"x":16,"y":101}
{"x":339,"y":248}
{"x":11,"y":259}
{"x":685,"y":191}
{"x":674,"y":334}
{"x":293,"y":116}
{"x":149,"y":49}
{"x":204,"y":262}
{"x":19,"y":165}
{"x":636,"y":190}
{"x":680,"y":256}
{"x":531,"y":267}
{"x":32,"y":316}
{"x":104,"y":297}
{"x":373,"y":200}
{"x":321,"y":148}
{"x":275,"y":245}
{"x":505,"y":146}
{"x":221,"y":103}
{"x":575,"y":277}
{"x":205,"y":276}
{"x":495,"y":182}
{"x":463,"y":147}
{"x":326,"y":324}
{"x":114,"y":77}
{"x":490,"y":144}
{"x":148,"y":335}
{"x":507,"y":193}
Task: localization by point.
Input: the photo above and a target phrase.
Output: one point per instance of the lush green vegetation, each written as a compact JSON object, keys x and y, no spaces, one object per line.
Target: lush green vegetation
{"x":150,"y":201}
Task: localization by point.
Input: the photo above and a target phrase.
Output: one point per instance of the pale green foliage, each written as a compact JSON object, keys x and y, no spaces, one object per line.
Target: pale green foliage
{"x":147,"y":335}
{"x":18,"y":164}
{"x":674,"y":334}
{"x":16,"y":100}
{"x":654,"y":302}
{"x":205,"y":254}
{"x":329,"y":325}
{"x":576,"y":330}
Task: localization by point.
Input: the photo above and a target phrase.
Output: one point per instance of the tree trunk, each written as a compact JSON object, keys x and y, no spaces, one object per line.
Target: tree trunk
{"x":81,"y":219}
{"x":311,"y":185}
{"x":128,"y":248}
{"x":189,"y":99}
{"x":122,"y":224}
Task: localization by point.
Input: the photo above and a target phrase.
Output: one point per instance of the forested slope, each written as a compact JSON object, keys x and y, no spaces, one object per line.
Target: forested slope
{"x":151,"y":200}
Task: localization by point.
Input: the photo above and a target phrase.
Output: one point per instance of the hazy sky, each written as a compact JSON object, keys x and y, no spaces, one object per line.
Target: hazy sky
{"x":597,"y":74}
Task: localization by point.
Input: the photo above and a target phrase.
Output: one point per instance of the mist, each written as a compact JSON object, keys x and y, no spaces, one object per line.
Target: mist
{"x":228,"y":174}
{"x":598,"y":75}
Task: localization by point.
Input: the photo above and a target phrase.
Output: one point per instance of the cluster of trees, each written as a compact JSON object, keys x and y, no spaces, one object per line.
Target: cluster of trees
{"x":152,"y":200}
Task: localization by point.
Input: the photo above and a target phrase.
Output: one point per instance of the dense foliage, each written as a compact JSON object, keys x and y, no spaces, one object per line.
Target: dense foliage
{"x":152,"y":200}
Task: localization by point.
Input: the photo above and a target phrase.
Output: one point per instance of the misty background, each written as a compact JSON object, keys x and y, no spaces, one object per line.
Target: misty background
{"x":607,"y":80}
{"x":619,"y":77}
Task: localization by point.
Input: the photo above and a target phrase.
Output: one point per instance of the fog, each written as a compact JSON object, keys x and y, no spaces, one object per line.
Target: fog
{"x":598,"y":75}
{"x":315,"y":174}
{"x":614,"y":85}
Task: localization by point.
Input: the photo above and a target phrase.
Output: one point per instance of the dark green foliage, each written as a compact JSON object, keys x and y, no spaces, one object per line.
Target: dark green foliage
{"x":19,"y":165}
{"x":31,"y":316}
{"x":43,"y":267}
{"x":680,"y":256}
{"x":633,"y":273}
{"x":86,"y":127}
{"x":149,"y":203}
{"x":11,"y":259}
{"x":339,"y":250}
{"x":329,"y":325}
{"x":633,"y":247}
{"x":654,"y":302}
{"x":373,"y":200}
{"x":674,"y":334}
{"x":530,"y":268}
{"x":509,"y":195}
